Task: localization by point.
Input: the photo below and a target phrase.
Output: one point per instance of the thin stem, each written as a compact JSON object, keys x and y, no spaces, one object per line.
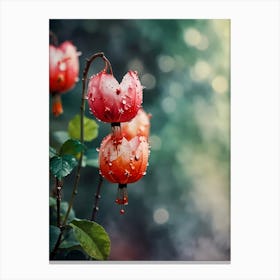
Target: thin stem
{"x":82,"y":113}
{"x":58,"y":185}
{"x":97,"y":197}
{"x":52,"y":254}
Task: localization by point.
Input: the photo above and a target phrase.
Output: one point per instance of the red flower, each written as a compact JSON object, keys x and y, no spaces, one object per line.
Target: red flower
{"x":64,"y":67}
{"x":112,"y":102}
{"x":124,"y":162}
{"x":138,"y":126}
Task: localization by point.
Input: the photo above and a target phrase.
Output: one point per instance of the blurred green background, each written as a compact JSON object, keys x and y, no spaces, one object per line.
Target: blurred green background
{"x":181,"y":209}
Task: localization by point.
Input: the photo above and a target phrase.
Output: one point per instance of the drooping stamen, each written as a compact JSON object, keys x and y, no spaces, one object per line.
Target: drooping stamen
{"x":57,"y":108}
{"x":122,"y":197}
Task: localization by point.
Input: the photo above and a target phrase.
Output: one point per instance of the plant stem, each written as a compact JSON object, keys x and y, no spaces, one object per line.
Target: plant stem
{"x":53,"y":253}
{"x":82,"y":113}
{"x":97,"y":197}
{"x":58,"y":186}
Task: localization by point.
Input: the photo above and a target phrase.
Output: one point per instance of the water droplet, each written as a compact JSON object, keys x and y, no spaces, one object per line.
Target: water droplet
{"x":79,"y":53}
{"x":124,"y":102}
{"x":110,"y":163}
{"x":97,"y":149}
{"x":132,"y":166}
{"x":122,"y":211}
{"x":62,"y":66}
{"x":144,"y":173}
{"x":100,"y":172}
{"x":148,"y":164}
{"x":137,"y":157}
{"x":77,"y":79}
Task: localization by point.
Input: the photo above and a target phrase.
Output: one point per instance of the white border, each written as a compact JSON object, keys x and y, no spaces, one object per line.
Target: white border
{"x":254,"y":138}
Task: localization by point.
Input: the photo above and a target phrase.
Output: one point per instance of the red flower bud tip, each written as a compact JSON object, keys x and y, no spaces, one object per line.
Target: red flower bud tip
{"x":138,"y":126}
{"x":112,"y":102}
{"x":64,"y":67}
{"x":124,"y":162}
{"x":57,"y":108}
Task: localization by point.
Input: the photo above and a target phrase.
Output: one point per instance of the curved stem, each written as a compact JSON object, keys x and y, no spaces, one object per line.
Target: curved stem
{"x":82,"y":112}
{"x":58,"y":186}
{"x":97,"y":197}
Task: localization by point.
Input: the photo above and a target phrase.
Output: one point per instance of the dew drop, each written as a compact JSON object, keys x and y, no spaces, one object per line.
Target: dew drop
{"x":110,"y":163}
{"x":137,"y":157}
{"x":62,"y":66}
{"x":132,"y":166}
{"x":144,"y":173}
{"x":97,"y":149}
{"x":122,"y":211}
{"x":77,"y":79}
{"x":124,"y":102}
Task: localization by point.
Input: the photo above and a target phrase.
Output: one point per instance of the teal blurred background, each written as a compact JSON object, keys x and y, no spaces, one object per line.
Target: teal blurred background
{"x":181,"y":209}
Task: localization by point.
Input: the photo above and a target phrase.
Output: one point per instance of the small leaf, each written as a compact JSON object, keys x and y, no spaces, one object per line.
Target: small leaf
{"x":62,"y":166}
{"x":71,"y":147}
{"x":54,"y":233}
{"x":92,"y":158}
{"x":52,"y":152}
{"x":90,"y":128}
{"x":92,"y":237}
{"x":60,"y":136}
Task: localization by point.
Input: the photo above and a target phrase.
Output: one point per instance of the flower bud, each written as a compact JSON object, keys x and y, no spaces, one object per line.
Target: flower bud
{"x":138,"y":126}
{"x":124,"y":162}
{"x":112,"y":102}
{"x":63,"y":67}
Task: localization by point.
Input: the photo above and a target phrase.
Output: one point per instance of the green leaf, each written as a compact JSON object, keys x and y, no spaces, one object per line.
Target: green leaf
{"x":93,"y":238}
{"x":90,"y":128}
{"x":92,"y":158}
{"x":60,"y":136}
{"x":52,"y":152}
{"x":52,"y":201}
{"x":54,"y":233}
{"x":71,"y":147}
{"x":61,"y":166}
